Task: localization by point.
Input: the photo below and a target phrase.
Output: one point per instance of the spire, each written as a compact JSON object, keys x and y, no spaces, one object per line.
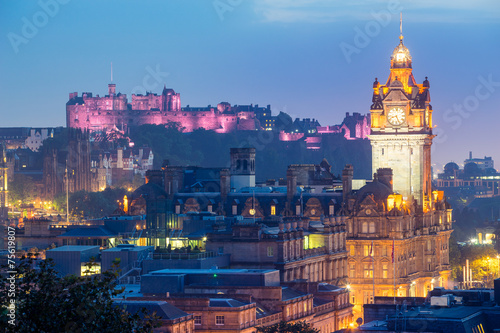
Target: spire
{"x":401,"y":26}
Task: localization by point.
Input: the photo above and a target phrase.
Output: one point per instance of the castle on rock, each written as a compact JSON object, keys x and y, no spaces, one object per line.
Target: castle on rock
{"x":115,"y":111}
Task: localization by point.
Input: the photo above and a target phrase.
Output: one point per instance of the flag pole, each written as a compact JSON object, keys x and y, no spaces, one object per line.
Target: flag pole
{"x":373,"y":271}
{"x":394,"y":268}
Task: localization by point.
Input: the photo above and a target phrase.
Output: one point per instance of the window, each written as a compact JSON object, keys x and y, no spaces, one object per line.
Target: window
{"x":209,"y":208}
{"x":235,"y":210}
{"x":352,"y":270}
{"x":273,"y":210}
{"x":364,"y":227}
{"x":382,"y":151}
{"x":197,"y":320}
{"x":384,"y":251}
{"x":366,"y":250}
{"x":367,"y":271}
{"x":372,"y":228}
{"x":177,"y":209}
{"x":219,"y":320}
{"x":352,"y":251}
{"x":384,"y":271}
{"x":270,"y":251}
{"x":331,"y":210}
{"x":297,"y":210}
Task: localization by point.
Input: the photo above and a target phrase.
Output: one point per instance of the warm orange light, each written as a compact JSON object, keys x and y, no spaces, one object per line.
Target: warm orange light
{"x":125,"y":204}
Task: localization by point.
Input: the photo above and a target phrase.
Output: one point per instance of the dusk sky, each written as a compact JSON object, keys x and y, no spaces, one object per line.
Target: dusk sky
{"x":290,"y":54}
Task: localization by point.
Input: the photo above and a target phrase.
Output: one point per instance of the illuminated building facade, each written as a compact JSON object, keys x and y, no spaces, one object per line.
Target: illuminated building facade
{"x":96,"y":114}
{"x":398,"y":228}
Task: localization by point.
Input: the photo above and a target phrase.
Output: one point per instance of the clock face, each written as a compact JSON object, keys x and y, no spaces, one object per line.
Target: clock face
{"x":252,"y":211}
{"x":396,"y":116}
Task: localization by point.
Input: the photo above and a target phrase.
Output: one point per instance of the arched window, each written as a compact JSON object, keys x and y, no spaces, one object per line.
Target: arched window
{"x":364,"y":228}
{"x":372,"y":228}
{"x":245,"y":165}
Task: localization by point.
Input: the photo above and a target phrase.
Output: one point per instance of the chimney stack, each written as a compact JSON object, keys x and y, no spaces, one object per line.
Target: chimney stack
{"x":385,"y":177}
{"x":291,"y":183}
{"x":347,"y":175}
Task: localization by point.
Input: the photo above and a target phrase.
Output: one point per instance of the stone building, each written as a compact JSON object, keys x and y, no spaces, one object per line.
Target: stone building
{"x":398,"y":228}
{"x":69,"y":170}
{"x":239,"y":300}
{"x":114,"y":110}
{"x":299,"y":251}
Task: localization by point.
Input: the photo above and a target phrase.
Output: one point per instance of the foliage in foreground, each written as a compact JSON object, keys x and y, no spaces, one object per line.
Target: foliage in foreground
{"x":46,"y":302}
{"x":285,"y":327}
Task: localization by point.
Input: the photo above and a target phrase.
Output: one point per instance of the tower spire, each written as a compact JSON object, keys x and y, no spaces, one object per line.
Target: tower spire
{"x":401,"y":26}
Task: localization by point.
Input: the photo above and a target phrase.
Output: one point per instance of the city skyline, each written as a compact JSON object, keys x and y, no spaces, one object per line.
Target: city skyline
{"x":308,"y":59}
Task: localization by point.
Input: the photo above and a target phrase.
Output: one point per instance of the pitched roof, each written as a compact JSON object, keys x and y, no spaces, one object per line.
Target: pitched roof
{"x":225,"y":303}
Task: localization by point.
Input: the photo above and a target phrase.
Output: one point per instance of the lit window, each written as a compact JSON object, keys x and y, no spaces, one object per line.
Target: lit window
{"x":235,"y":210}
{"x":367,"y":271}
{"x":352,"y":251}
{"x":366,"y":250}
{"x":273,"y":210}
{"x":384,"y":271}
{"x":219,"y":320}
{"x":364,"y":227}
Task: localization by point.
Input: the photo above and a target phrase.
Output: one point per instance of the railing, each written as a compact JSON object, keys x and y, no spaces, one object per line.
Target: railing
{"x":315,"y":252}
{"x":269,"y":320}
{"x":185,"y":256}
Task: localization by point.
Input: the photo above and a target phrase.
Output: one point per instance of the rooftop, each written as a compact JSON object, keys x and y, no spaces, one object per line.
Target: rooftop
{"x":212,"y":271}
{"x":163,"y":309}
{"x":73,"y":248}
{"x":128,"y":247}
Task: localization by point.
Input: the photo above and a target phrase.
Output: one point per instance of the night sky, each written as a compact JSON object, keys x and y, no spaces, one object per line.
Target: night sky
{"x":285,"y":53}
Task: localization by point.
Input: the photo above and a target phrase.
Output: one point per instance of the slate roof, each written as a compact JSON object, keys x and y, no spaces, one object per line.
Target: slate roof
{"x":288,"y":293}
{"x":163,"y":309}
{"x":225,"y":303}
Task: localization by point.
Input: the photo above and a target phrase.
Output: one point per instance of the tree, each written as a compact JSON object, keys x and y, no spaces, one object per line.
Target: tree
{"x":22,"y":189}
{"x":482,"y":261}
{"x":283,"y":326}
{"x":46,"y":302}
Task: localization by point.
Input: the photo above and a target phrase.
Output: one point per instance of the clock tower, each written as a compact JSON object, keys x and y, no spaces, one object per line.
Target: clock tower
{"x":401,"y":129}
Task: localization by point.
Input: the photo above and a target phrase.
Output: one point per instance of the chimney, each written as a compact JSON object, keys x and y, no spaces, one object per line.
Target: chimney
{"x":347,"y":175}
{"x":291,"y":183}
{"x":470,"y":155}
{"x":385,"y":177}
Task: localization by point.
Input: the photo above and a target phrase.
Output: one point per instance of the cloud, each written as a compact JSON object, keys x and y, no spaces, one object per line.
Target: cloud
{"x":324,"y":11}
